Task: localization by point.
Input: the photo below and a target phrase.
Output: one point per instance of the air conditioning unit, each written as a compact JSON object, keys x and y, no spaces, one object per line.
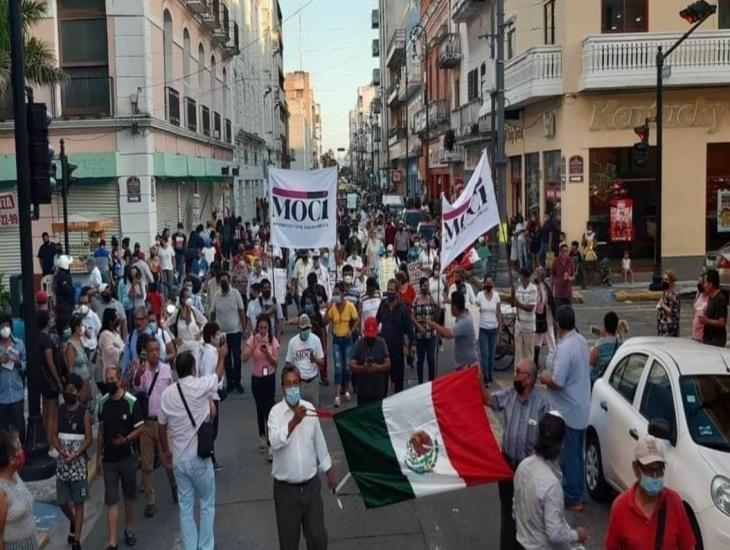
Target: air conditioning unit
{"x":548,"y":124}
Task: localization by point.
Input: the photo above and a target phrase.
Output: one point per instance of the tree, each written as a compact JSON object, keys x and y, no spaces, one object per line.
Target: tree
{"x":328,"y":159}
{"x":39,"y":60}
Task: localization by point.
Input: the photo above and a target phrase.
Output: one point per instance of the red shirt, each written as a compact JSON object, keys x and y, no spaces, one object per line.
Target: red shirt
{"x":561,"y":288}
{"x":408,"y":296}
{"x":154,"y":299}
{"x":390,"y":232}
{"x":630,"y":529}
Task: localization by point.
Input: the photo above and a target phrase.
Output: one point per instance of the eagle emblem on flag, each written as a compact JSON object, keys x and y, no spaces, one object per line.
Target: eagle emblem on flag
{"x":423,"y":452}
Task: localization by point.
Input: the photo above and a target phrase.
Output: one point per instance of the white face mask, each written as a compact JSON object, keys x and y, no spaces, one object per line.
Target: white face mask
{"x":189,"y":302}
{"x":84,"y":309}
{"x":5,"y":332}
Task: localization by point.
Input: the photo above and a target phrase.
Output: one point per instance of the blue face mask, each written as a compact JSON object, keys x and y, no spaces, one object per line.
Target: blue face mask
{"x":308,"y":309}
{"x":153,"y":327}
{"x":304,"y":335}
{"x":652,"y":485}
{"x":336,"y":299}
{"x":292,"y":395}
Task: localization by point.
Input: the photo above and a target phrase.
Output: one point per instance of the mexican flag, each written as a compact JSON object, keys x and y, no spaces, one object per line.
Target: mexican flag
{"x":429,"y":439}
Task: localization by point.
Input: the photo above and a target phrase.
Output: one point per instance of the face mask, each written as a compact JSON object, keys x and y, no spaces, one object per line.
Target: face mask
{"x":67,"y":333}
{"x":390,"y":296}
{"x":304,"y":335}
{"x":519,"y":386}
{"x":84,"y":309}
{"x":488,"y":288}
{"x":266,"y":294}
{"x":665,"y":285}
{"x":20,"y":457}
{"x":700,"y":287}
{"x":70,"y":398}
{"x":424,"y":291}
{"x":225,"y":287}
{"x":292,"y":395}
{"x":189,"y":302}
{"x":336,"y":299}
{"x":153,"y":327}
{"x":348,"y":279}
{"x":308,"y":309}
{"x":111,"y":387}
{"x":652,"y":486}
{"x":326,"y":255}
{"x":107,"y":298}
{"x":5,"y":332}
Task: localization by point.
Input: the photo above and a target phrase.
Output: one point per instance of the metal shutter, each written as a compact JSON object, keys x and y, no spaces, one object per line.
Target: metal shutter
{"x":96,"y":201}
{"x":205,"y":190}
{"x":167,"y":206}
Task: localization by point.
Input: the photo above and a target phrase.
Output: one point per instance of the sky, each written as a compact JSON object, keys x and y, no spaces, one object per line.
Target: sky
{"x":336,"y":50}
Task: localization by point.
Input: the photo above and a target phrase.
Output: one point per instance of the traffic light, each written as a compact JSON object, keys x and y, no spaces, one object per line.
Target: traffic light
{"x":697,"y":11}
{"x":641,"y":149}
{"x":41,"y":154}
{"x":67,"y":170}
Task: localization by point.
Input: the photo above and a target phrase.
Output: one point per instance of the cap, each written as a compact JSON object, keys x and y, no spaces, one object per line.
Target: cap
{"x":64,"y":261}
{"x":103,"y":287}
{"x":315,"y":253}
{"x":648,"y":450}
{"x":304,"y":321}
{"x":41,"y":297}
{"x":371,"y":327}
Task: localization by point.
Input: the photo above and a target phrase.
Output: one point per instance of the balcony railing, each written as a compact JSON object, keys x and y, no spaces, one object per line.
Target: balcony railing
{"x":464,"y":10}
{"x":191,"y":114}
{"x":396,"y":48}
{"x":229,"y":131}
{"x":205,"y":120}
{"x":535,"y":74}
{"x":454,"y":156}
{"x":217,"y":126}
{"x":172,"y":106}
{"x":376,"y":47}
{"x":393,"y":97}
{"x":450,"y":52}
{"x":197,"y":6}
{"x":88,"y":96}
{"x":396,"y":132}
{"x":629,"y":60}
{"x":465,"y":119}
{"x":438,"y":117}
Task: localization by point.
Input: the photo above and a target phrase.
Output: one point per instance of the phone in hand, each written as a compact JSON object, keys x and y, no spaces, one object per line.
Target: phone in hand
{"x":142,"y":356}
{"x":222,"y":340}
{"x":595,"y":330}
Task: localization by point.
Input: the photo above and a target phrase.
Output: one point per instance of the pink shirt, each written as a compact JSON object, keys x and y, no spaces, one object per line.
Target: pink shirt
{"x":698,"y":328}
{"x":164,"y":379}
{"x":259,"y":360}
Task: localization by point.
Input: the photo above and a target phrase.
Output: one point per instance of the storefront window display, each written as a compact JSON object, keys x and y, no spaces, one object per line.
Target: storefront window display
{"x":515,"y":166}
{"x":532,"y":179}
{"x":718,"y":195}
{"x":616,"y":182}
{"x":551,"y":162}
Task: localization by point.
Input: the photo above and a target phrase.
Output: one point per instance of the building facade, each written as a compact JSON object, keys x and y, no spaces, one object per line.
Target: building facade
{"x":305,"y":121}
{"x":364,"y":135}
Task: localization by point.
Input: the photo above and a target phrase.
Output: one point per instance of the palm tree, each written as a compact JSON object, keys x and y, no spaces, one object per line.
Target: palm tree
{"x":39,"y":60}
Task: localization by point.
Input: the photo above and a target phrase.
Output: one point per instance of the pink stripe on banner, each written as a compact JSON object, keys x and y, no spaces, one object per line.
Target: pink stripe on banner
{"x":458,"y":212}
{"x":290,"y":194}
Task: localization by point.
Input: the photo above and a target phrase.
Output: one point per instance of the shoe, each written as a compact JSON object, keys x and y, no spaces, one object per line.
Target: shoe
{"x":71,"y":533}
{"x":149,"y":511}
{"x":111,"y":547}
{"x":129,"y":538}
{"x":347,"y":396}
{"x":76,"y":545}
{"x":270,"y":455}
{"x":326,"y":382}
{"x":173,"y":490}
{"x":337,"y":401}
{"x":240,"y":390}
{"x":262,"y":445}
{"x":217,"y":465}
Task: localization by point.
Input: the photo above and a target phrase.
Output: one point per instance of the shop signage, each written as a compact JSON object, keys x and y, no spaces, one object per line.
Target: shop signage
{"x":614,"y":115}
{"x":134,"y":189}
{"x":622,"y":226}
{"x":723,"y":211}
{"x":576,"y":169}
{"x":8,"y":210}
{"x":396,"y":176}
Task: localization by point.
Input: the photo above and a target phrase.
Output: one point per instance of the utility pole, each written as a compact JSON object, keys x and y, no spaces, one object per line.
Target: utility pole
{"x":408,"y":174}
{"x":501,"y":160}
{"x":64,"y":193}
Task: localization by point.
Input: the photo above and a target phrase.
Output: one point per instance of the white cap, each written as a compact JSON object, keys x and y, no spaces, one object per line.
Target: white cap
{"x":64,"y":261}
{"x":648,"y":450}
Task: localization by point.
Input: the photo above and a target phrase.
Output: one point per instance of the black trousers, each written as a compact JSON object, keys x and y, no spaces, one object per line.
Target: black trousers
{"x":299,"y":508}
{"x":397,"y":364}
{"x":233,"y":361}
{"x":11,"y":415}
{"x":508,"y":530}
{"x":263,"y":388}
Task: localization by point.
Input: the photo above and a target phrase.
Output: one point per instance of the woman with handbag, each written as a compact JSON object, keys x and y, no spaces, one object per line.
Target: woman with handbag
{"x":544,"y":315}
{"x":78,"y":362}
{"x":111,"y":345}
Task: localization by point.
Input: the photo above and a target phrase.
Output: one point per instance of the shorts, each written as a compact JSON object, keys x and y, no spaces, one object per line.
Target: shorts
{"x":71,"y":492}
{"x":114,"y":472}
{"x":49,"y":389}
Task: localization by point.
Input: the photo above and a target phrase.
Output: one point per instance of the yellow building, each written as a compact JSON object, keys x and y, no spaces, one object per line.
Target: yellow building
{"x":580,"y":76}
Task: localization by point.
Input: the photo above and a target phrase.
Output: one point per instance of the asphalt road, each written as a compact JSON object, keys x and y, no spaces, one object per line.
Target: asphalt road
{"x":245,"y":517}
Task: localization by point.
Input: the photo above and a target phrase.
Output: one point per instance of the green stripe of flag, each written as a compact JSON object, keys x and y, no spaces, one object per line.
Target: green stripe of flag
{"x":370,"y":456}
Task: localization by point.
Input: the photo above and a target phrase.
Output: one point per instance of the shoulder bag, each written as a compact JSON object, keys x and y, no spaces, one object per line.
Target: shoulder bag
{"x":143,"y":397}
{"x":206,"y":432}
{"x":661,"y":522}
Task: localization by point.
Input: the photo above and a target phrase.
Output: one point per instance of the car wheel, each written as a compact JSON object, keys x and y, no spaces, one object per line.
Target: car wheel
{"x":695,"y":527}
{"x":595,"y":482}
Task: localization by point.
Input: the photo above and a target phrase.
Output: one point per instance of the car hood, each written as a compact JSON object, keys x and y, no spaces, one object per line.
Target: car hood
{"x":718,"y":461}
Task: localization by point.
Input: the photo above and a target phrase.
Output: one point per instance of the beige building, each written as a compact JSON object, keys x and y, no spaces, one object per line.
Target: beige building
{"x":364,"y":136}
{"x":580,"y":77}
{"x":305,"y":122}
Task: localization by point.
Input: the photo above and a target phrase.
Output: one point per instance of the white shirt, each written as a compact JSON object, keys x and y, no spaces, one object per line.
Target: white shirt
{"x":297,"y":456}
{"x":470,"y":298}
{"x":301,"y":270}
{"x":299,"y":353}
{"x":527,"y":296}
{"x":253,"y":279}
{"x":95,"y":278}
{"x":369,"y":306}
{"x":183,"y":437}
{"x":356,"y":262}
{"x":207,"y":365}
{"x":92,"y":326}
{"x":209,"y":253}
{"x":488,"y":310}
{"x":166,"y":254}
{"x":436,"y":289}
{"x":323,"y":278}
{"x":626,"y":264}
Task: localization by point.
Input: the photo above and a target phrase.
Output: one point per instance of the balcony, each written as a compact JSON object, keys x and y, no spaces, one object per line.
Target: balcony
{"x":191,"y":114}
{"x":629,"y":60}
{"x":205,"y":120}
{"x":172,"y":106}
{"x":533,"y":75}
{"x":396,"y":48}
{"x":376,"y":106}
{"x":454,"y":156}
{"x":464,"y":10}
{"x":197,"y":6}
{"x":414,"y":76}
{"x":393,"y":96}
{"x":396,"y":133}
{"x":376,"y":47}
{"x":465,"y":121}
{"x":438,"y":118}
{"x":211,"y":16}
{"x":217,"y":126}
{"x":375,"y":17}
{"x":450,"y":52}
{"x":376,"y":77}
{"x":87,"y":97}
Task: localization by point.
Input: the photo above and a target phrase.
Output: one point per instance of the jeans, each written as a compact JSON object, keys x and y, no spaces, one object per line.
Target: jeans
{"x":180,"y":266}
{"x":168,"y":282}
{"x":233,"y":361}
{"x":342,"y":351}
{"x":195,"y":479}
{"x":571,"y":463}
{"x":426,"y":349}
{"x":11,"y":415}
{"x":487,"y":347}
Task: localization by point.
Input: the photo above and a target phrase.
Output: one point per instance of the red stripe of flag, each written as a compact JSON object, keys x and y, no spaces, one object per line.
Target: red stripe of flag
{"x":454,"y":213}
{"x":291,"y":194}
{"x":465,"y":429}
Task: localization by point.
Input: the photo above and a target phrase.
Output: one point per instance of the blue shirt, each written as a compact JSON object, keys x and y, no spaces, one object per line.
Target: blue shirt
{"x":11,"y":380}
{"x":571,"y":371}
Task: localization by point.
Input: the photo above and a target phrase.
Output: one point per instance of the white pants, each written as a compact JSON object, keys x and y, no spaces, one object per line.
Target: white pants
{"x":524,"y":345}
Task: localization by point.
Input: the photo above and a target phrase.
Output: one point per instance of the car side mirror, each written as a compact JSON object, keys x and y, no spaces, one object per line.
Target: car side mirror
{"x":660,"y":428}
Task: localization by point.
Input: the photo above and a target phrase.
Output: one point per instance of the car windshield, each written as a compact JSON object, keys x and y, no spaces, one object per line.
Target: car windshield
{"x":706,"y":401}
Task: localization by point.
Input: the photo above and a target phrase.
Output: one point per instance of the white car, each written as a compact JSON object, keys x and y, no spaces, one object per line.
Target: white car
{"x":679,"y":391}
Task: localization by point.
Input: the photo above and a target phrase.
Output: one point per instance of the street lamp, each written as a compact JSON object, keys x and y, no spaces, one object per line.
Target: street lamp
{"x":695,"y":14}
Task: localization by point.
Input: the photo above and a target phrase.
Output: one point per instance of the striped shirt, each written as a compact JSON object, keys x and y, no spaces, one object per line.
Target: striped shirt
{"x":520,"y":420}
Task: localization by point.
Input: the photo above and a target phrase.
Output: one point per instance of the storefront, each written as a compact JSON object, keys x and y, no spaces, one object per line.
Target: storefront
{"x":718,"y":195}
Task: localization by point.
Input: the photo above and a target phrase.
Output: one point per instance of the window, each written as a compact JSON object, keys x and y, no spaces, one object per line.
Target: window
{"x":657,"y":401}
{"x":551,"y":161}
{"x":625,"y":377}
{"x":186,"y":57}
{"x":201,"y":72}
{"x":472,"y":85}
{"x":532,"y":179}
{"x":224,"y":92}
{"x":624,"y":16}
{"x":483,"y":81}
{"x":167,"y":40}
{"x":549,"y":22}
{"x":724,"y":15}
{"x":516,"y":177}
{"x":213,"y":87}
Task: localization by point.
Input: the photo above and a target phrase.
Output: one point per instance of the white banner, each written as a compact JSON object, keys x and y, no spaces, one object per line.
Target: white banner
{"x":473,"y":213}
{"x":303,"y":208}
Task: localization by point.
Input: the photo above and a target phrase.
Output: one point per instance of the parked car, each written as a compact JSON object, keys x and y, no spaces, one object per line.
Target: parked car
{"x":678,"y":391}
{"x":411,"y":218}
{"x":720,"y":260}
